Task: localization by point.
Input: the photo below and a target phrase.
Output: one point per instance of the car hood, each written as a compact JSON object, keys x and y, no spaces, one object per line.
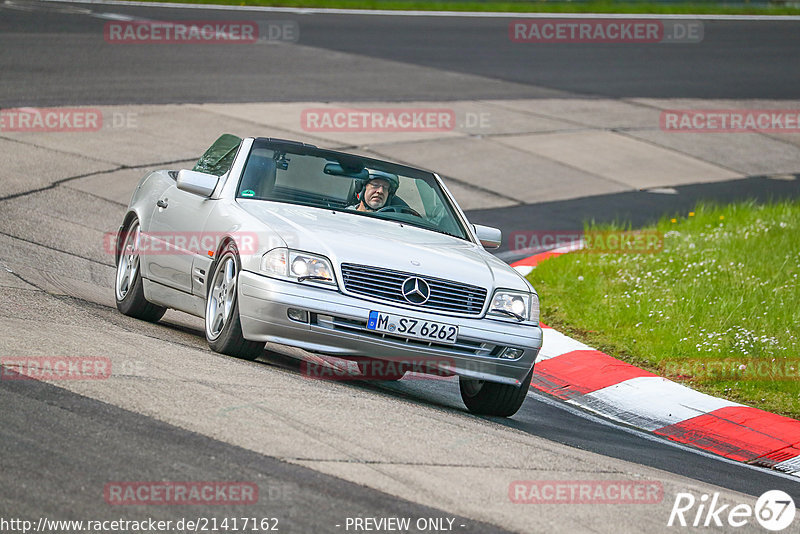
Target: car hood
{"x":350,"y":238}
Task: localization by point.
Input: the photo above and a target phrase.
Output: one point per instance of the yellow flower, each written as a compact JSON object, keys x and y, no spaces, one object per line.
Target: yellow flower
{"x":674,"y":220}
{"x":721,"y":217}
{"x":691,"y":214}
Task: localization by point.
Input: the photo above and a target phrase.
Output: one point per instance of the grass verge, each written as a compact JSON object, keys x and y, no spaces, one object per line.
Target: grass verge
{"x":590,"y":6}
{"x":717,"y":309}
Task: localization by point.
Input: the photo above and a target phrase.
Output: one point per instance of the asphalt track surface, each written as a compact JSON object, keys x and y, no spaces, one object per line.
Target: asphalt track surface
{"x":56,"y":55}
{"x":77,"y":445}
{"x":59,"y":446}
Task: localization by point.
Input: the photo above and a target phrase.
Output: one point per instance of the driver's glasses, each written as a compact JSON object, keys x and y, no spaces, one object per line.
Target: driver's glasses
{"x":375,"y":184}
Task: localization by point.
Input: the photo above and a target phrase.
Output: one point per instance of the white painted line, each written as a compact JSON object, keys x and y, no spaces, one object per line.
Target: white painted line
{"x":115,"y":16}
{"x":662,"y":190}
{"x":791,"y":466}
{"x":556,"y":251}
{"x":554,"y":343}
{"x":650,"y":402}
{"x":451,"y":14}
{"x":572,"y":247}
{"x":524,"y":270}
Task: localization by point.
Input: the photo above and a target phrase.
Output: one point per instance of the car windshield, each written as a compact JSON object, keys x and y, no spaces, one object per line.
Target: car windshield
{"x":333,"y":180}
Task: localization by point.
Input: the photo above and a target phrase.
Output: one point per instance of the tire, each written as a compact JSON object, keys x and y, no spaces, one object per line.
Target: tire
{"x":223,"y":325}
{"x":491,"y":398}
{"x":128,"y":289}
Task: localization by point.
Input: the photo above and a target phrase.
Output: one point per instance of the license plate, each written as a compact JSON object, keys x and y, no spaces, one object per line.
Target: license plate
{"x":412,"y":328}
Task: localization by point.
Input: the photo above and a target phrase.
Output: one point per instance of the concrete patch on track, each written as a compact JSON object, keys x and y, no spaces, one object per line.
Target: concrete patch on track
{"x":136,"y":135}
{"x":619,"y":159}
{"x":8,"y":279}
{"x":587,"y":113}
{"x":504,"y":169}
{"x":50,"y":219}
{"x":117,"y":186}
{"x":749,"y":153}
{"x":292,"y":118}
{"x":515,"y":151}
{"x":27,"y":165}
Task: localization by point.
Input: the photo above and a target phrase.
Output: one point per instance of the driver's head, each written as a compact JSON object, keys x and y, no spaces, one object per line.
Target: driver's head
{"x":376,"y":193}
{"x":378,"y":190}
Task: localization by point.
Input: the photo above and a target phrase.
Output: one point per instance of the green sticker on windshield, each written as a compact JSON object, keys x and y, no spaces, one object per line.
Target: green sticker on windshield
{"x":248,"y":193}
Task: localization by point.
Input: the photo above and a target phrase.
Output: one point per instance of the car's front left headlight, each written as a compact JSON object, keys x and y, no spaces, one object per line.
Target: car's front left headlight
{"x":514,"y":305}
{"x":298,"y":266}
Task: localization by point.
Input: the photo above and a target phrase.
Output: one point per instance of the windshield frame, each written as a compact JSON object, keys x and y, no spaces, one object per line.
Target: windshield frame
{"x":303,"y":149}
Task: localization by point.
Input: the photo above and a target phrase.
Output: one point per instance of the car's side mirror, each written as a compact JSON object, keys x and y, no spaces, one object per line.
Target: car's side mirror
{"x":198,"y":183}
{"x":488,"y":236}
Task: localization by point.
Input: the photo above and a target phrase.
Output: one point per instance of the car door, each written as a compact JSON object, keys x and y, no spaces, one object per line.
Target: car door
{"x":176,"y":237}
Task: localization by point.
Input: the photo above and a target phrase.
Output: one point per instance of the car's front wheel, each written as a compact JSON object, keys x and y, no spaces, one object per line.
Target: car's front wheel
{"x":223,"y":325}
{"x":128,"y":288}
{"x":490,"y":398}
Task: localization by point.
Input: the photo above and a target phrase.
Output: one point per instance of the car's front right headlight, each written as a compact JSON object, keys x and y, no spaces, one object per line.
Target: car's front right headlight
{"x":510,"y":305}
{"x":298,"y":266}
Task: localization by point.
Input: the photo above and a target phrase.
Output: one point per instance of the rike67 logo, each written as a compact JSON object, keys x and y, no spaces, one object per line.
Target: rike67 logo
{"x":774,"y":510}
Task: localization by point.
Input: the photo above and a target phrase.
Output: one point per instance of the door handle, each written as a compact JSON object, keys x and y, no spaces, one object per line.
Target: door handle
{"x":162,"y":203}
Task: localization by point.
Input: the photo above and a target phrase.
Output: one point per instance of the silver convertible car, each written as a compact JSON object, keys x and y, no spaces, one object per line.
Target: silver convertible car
{"x":369,"y":261}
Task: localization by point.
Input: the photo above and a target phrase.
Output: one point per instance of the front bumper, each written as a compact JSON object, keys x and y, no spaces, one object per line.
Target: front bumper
{"x":336,"y":325}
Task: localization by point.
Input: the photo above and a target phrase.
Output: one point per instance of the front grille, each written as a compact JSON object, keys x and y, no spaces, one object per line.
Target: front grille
{"x":386,"y":284}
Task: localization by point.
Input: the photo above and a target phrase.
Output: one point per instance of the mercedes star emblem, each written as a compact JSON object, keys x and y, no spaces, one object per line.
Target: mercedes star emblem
{"x":416,"y":290}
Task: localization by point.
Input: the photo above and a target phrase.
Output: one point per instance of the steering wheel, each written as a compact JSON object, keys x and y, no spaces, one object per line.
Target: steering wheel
{"x":398,"y":209}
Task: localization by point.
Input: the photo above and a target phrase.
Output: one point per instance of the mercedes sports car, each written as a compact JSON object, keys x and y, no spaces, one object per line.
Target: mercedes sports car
{"x":278,"y":241}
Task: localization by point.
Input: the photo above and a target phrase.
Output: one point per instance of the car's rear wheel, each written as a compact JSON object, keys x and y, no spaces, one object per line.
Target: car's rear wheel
{"x":223,"y":325}
{"x":128,"y":288}
{"x":490,"y":398}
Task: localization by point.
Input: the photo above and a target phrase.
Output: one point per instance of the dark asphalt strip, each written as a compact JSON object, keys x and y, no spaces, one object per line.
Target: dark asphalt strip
{"x":60,"y":449}
{"x":639,"y":208}
{"x":52,"y":58}
{"x":559,"y":422}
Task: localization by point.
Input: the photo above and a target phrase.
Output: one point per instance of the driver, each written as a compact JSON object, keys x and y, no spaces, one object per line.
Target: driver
{"x":377,"y":191}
